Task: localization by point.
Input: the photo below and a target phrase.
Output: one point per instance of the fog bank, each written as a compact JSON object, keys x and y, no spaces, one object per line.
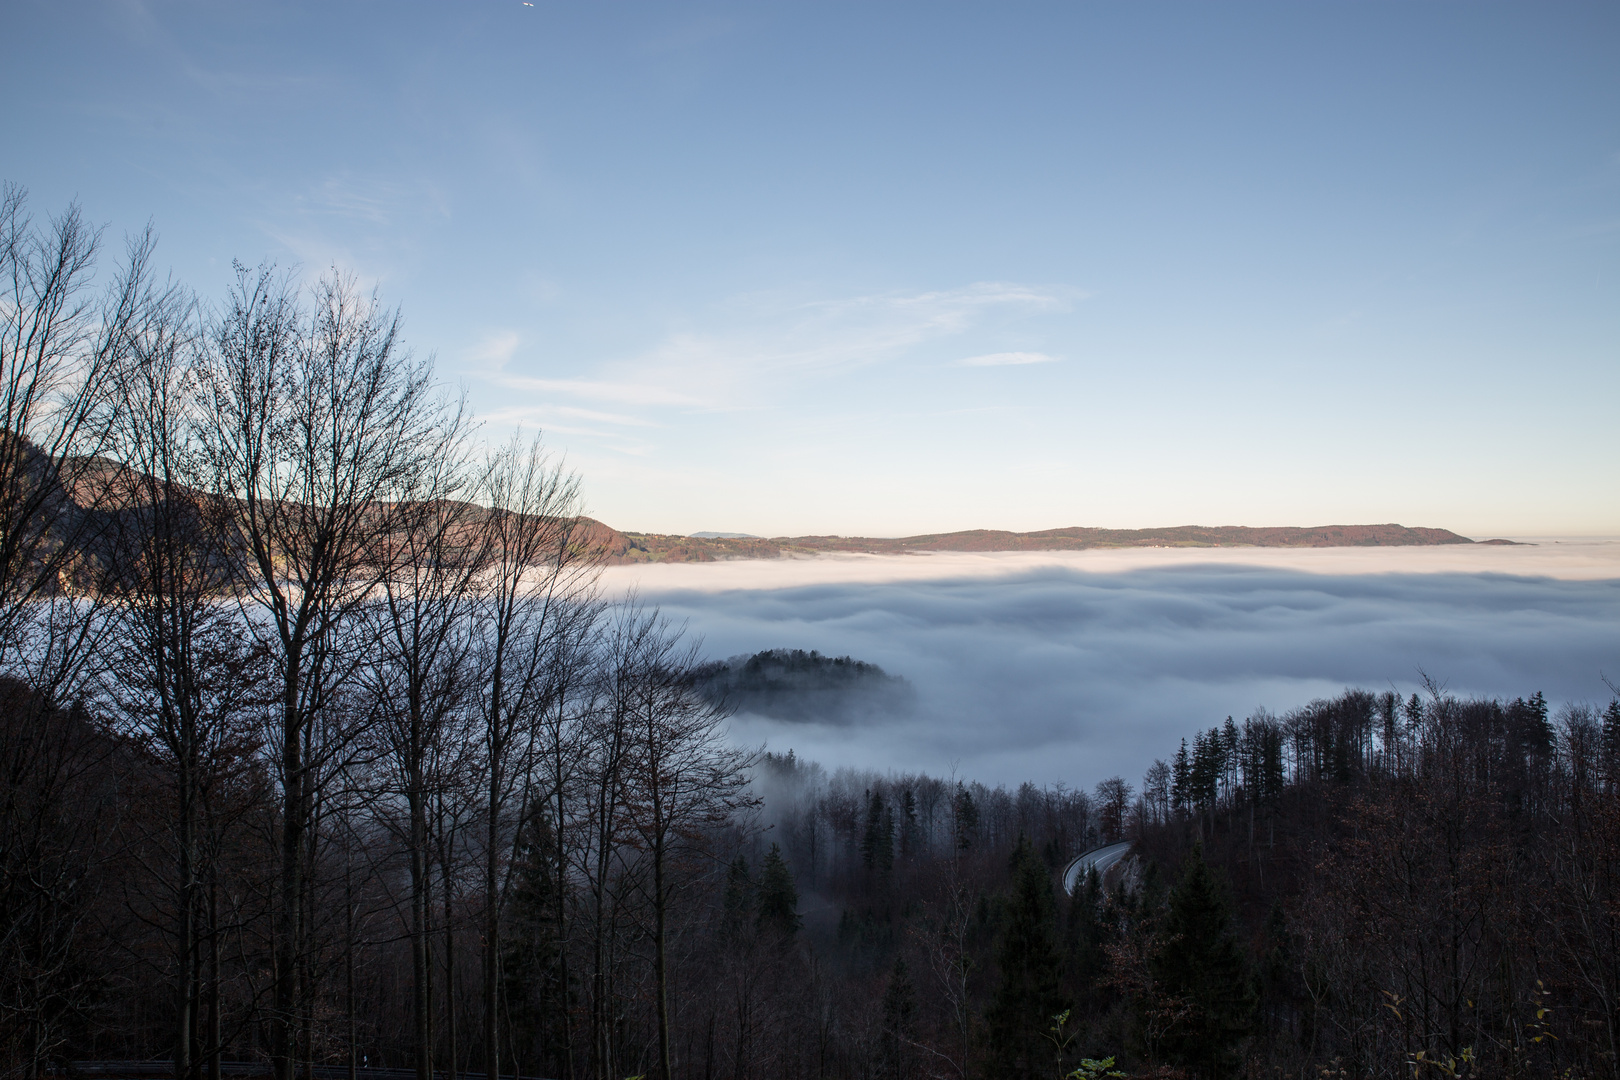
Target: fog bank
{"x":1072,"y":666}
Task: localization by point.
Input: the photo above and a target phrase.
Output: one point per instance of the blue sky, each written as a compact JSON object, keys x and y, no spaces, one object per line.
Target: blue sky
{"x":887,"y":269}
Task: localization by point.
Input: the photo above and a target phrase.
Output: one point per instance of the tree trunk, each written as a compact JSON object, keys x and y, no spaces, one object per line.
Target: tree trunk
{"x":216,"y":1026}
{"x":660,"y":959}
{"x":348,"y":950}
{"x":185,"y":1033}
{"x":561,"y":900}
{"x":289,"y":921}
{"x":492,"y":911}
{"x":449,"y":965}
{"x":421,"y":991}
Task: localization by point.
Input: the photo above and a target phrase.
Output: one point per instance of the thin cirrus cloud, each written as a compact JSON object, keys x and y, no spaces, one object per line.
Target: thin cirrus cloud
{"x":620,"y":391}
{"x":1071,"y":670}
{"x":1005,"y":359}
{"x":755,"y":348}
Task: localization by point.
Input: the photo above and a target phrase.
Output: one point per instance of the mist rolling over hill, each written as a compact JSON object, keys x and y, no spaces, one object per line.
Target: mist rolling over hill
{"x":1069,"y":667}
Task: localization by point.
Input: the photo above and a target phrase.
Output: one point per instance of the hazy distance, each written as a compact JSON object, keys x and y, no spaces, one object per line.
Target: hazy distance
{"x":1070,"y":667}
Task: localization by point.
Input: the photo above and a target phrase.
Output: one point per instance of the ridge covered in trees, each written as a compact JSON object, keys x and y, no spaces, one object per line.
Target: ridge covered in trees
{"x":634,"y":547}
{"x":792,"y":684}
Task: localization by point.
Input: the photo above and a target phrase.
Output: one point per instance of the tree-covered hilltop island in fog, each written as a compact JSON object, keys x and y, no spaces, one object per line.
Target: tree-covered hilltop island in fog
{"x":792,"y":684}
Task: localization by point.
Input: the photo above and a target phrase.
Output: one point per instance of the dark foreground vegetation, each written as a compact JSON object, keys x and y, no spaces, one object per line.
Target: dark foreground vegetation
{"x":317,"y":749}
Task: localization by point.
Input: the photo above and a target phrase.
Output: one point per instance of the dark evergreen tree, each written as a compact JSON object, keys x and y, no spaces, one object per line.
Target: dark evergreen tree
{"x":1611,"y":745}
{"x":738,"y":908}
{"x":877,"y":844}
{"x":966,"y":814}
{"x":1271,"y":764}
{"x":1028,"y":994}
{"x":1414,"y":713}
{"x":778,"y":899}
{"x":910,"y":830}
{"x":534,"y":977}
{"x":895,"y":1041}
{"x":1086,"y":935}
{"x":1231,"y":744}
{"x":1181,"y":780}
{"x":1201,"y":965}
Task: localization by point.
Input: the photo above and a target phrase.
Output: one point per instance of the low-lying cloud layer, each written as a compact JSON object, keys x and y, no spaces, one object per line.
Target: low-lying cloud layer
{"x":1070,"y":670}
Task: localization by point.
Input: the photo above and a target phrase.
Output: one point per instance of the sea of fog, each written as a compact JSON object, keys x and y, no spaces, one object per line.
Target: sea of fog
{"x":1068,"y":667}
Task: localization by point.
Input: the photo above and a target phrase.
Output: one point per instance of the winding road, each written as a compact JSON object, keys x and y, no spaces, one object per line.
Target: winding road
{"x":1102,"y":858}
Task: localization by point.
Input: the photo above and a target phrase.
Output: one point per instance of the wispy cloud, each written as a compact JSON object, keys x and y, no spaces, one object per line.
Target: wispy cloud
{"x":492,"y":353}
{"x":752,"y":350}
{"x":766,"y":340}
{"x":600,"y":417}
{"x":1005,"y":359}
{"x":628,"y":392}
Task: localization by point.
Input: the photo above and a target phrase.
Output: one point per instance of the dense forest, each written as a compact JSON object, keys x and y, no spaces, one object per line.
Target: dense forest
{"x":319,"y":747}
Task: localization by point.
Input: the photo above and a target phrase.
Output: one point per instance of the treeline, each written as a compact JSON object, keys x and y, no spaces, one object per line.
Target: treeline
{"x":1368,"y":886}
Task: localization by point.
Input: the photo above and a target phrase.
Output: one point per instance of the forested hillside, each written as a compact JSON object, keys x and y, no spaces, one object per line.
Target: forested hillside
{"x":792,"y":684}
{"x":634,"y":547}
{"x":1364,"y":885}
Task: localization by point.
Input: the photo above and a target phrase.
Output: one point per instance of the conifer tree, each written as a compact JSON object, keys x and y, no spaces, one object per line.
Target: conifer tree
{"x":1181,"y":780}
{"x":778,"y":899}
{"x":738,"y":906}
{"x":899,"y":1012}
{"x":966,"y":815}
{"x":1202,"y":966}
{"x":1086,"y":931}
{"x":877,"y":845}
{"x":909,"y":828}
{"x":1611,"y":745}
{"x":1028,"y":995}
{"x":534,"y":987}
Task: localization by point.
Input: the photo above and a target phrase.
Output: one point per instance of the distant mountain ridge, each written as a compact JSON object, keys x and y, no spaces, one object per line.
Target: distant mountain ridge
{"x":633,"y":547}
{"x":98,"y":487}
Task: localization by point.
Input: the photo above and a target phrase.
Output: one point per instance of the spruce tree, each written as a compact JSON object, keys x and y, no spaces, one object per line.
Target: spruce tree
{"x":909,"y":827}
{"x":1202,"y":966}
{"x":1611,"y":745}
{"x":1028,"y":995}
{"x":1087,"y":935}
{"x":737,"y":909}
{"x":899,"y":1012}
{"x":534,"y":977}
{"x":778,"y":899}
{"x":877,"y":844}
{"x":967,"y":816}
{"x":1181,"y":780}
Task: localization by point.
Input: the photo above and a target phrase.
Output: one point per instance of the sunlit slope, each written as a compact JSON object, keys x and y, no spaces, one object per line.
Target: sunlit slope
{"x":633,"y":547}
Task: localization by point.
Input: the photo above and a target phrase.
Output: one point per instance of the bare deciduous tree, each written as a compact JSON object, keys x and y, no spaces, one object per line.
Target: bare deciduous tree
{"x":185,"y":679}
{"x":683,"y":781}
{"x":60,"y":351}
{"x":534,"y":596}
{"x":321,"y":423}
